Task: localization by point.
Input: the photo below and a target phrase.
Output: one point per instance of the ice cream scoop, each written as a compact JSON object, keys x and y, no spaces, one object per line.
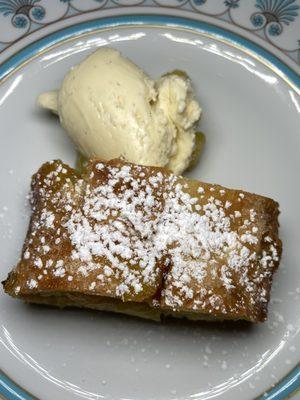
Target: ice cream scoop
{"x":111,"y":108}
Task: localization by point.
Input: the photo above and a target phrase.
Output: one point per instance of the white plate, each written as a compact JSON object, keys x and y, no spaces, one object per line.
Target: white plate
{"x":251,"y":119}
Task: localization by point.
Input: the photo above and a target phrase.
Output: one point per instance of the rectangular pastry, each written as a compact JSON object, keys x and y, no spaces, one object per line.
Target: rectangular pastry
{"x":142,"y":241}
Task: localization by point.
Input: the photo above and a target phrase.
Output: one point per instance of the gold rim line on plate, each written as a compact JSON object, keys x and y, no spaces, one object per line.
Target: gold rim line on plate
{"x":216,"y":37}
{"x":174,"y":27}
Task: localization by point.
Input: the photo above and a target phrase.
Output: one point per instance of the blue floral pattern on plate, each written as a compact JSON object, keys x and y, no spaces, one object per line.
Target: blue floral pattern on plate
{"x":274,"y":14}
{"x":23,"y":12}
{"x":276,"y":21}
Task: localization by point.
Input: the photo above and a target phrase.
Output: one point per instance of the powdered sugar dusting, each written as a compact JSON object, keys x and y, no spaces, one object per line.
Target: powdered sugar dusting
{"x":132,"y":230}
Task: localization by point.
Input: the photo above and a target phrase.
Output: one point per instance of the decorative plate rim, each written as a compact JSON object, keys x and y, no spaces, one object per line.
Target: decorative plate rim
{"x":69,"y":32}
{"x":265,"y":20}
{"x":290,"y":383}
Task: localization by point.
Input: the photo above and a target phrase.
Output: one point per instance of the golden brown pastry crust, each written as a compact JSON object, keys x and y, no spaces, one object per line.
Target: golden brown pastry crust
{"x":140,"y":240}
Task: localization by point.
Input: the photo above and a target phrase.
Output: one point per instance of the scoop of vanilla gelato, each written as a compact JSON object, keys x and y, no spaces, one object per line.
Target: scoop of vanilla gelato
{"x":111,"y":108}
